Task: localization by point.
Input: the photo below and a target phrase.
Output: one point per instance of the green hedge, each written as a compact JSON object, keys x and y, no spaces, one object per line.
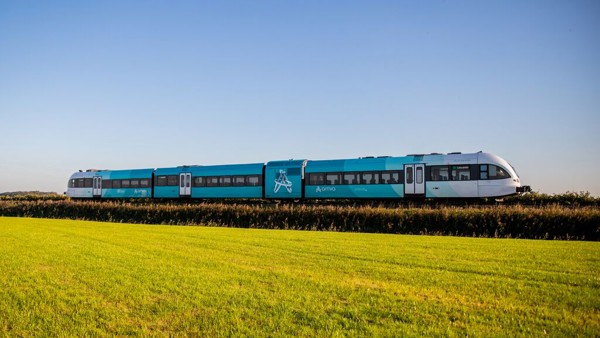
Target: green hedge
{"x":575,"y":199}
{"x":550,"y":222}
{"x":582,"y":198}
{"x":17,"y":196}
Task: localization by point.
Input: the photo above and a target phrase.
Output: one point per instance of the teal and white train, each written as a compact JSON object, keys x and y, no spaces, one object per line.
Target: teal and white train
{"x":453,"y":175}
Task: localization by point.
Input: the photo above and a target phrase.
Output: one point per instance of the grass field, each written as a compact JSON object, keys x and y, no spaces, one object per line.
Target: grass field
{"x":74,"y":278}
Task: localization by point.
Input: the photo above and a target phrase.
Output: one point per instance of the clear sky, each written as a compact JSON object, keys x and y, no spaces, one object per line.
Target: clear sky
{"x":142,"y":84}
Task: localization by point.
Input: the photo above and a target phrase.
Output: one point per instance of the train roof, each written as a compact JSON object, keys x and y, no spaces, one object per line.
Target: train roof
{"x":224,"y":169}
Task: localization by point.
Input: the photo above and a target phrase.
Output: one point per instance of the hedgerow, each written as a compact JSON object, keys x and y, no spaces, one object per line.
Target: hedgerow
{"x":572,"y":199}
{"x":510,"y":221}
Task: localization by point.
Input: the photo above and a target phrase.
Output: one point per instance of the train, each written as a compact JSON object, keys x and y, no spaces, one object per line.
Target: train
{"x":415,"y":176}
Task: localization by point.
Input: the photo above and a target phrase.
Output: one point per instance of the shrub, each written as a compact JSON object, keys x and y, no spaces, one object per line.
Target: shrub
{"x":511,"y":221}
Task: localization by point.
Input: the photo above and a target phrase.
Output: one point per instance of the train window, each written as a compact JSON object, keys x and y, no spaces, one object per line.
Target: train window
{"x":253,"y":180}
{"x":497,"y":173}
{"x":439,"y":173}
{"x":199,"y":181}
{"x":390,"y":177}
{"x":370,"y":177}
{"x":316,"y":179}
{"x":71,"y":184}
{"x":397,"y":177}
{"x":351,"y":178}
{"x":135,"y":183}
{"x":419,"y":175}
{"x":173,"y":180}
{"x":385,"y":177}
{"x":461,"y":173}
{"x":79,"y":183}
{"x":409,"y":175}
{"x":212,"y":181}
{"x":125,"y":184}
{"x":483,"y":171}
{"x":116,"y":184}
{"x":88,"y":182}
{"x":106,"y":184}
{"x":161,"y":181}
{"x":239,"y":181}
{"x":332,"y":178}
{"x":225,"y":181}
{"x":144,"y":183}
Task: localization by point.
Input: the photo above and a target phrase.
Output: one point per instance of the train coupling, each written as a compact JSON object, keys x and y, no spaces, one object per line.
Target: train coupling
{"x":524,"y":188}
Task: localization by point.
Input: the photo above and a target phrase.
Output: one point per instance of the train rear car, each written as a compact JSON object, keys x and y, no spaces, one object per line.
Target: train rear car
{"x":82,"y":185}
{"x":92,"y":183}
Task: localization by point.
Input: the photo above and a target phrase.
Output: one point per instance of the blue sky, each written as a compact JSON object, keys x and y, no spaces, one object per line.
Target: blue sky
{"x":137,"y":84}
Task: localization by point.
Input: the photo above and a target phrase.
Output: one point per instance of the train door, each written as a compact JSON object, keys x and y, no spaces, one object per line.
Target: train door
{"x":97,"y":186}
{"x":185,"y":184}
{"x":414,"y":180}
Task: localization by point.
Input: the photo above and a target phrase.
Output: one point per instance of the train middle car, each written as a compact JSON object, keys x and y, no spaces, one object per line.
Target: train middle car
{"x":220,"y":181}
{"x":453,"y":175}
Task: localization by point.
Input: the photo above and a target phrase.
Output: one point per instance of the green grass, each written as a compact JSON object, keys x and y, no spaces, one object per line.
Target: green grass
{"x":75,"y":278}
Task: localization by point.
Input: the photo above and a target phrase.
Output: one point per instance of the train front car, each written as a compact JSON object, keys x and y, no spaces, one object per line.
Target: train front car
{"x":473,"y":175}
{"x":497,"y":177}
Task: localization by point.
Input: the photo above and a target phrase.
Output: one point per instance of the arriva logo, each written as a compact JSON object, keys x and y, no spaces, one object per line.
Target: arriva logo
{"x":282,"y":181}
{"x":325,"y":189}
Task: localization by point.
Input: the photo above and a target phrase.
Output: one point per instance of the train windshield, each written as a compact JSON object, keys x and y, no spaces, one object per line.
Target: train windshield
{"x":514,"y":170}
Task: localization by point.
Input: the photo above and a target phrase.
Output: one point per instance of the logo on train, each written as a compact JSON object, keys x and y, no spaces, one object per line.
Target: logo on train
{"x":282,"y":181}
{"x":324,"y":189}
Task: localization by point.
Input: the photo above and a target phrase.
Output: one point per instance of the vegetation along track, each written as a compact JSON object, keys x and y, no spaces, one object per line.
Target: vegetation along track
{"x":552,"y":221}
